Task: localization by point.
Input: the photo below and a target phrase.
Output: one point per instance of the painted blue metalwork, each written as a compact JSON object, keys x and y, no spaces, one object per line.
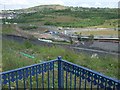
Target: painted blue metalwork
{"x":66,"y":79}
{"x":5,"y":80}
{"x":24,"y":81}
{"x":16,"y":80}
{"x":9,"y":82}
{"x":60,"y":83}
{"x":80,"y":79}
{"x":27,"y":72}
{"x":75,"y":77}
{"x":75,"y":80}
{"x":97,"y":77}
{"x":48,"y":77}
{"x":70,"y":81}
{"x":37,"y":77}
{"x":31,"y":73}
{"x":53,"y":76}
{"x":39,"y":69}
{"x":43,"y":76}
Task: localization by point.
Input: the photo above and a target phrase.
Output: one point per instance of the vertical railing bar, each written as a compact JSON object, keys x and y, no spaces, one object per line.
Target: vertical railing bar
{"x":105,"y":84}
{"x":36,"y":78}
{"x":91,"y":81}
{"x":48,"y":77}
{"x":60,"y":73}
{"x":70,"y":80}
{"x":114,"y":86}
{"x":85,"y":82}
{"x":16,"y":80}
{"x":75,"y":80}
{"x":42,"y":78}
{"x":9,"y":81}
{"x":66,"y":78}
{"x":63,"y":74}
{"x":118,"y":85}
{"x":53,"y":76}
{"x":80,"y":81}
{"x":98,"y":83}
{"x":30,"y":79}
{"x":24,"y":80}
{"x":63,"y":79}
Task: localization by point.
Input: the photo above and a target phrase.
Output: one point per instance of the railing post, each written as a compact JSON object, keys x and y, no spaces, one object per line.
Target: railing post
{"x":60,"y":74}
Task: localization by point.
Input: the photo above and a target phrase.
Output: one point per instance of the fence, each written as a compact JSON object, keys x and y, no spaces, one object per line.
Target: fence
{"x":59,"y":74}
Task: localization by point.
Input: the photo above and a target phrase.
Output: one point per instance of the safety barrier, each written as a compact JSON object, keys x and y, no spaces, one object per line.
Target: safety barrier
{"x":59,"y":74}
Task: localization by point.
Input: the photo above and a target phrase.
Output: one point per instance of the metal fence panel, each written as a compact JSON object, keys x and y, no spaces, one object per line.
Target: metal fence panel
{"x":57,"y":74}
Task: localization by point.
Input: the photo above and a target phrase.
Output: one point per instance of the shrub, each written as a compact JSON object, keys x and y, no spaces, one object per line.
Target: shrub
{"x":27,"y":44}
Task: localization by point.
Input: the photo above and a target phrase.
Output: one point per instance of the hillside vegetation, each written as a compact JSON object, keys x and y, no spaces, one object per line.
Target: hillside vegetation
{"x":12,"y":57}
{"x":58,"y":15}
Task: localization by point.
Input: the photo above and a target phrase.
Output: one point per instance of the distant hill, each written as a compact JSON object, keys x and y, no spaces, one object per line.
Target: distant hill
{"x":43,"y":7}
{"x":65,"y":16}
{"x":54,"y":7}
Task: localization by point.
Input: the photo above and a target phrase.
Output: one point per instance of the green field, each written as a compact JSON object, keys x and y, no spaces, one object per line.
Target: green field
{"x":100,"y":32}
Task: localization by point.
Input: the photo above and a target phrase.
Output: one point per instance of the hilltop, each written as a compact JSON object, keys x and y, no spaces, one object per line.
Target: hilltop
{"x":54,"y":7}
{"x":43,"y":7}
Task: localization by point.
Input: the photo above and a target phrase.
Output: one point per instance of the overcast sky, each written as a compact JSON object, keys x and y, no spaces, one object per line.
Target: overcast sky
{"x":17,"y":4}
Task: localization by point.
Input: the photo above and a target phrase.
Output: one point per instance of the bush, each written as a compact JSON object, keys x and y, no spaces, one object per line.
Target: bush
{"x":27,"y":44}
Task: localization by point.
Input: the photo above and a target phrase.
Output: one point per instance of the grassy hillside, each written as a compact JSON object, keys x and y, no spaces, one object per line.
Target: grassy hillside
{"x":8,"y":29}
{"x":69,"y":16}
{"x":12,"y":58}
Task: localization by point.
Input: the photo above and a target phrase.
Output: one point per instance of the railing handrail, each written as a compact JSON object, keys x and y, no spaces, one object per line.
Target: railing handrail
{"x":62,"y":65}
{"x":6,"y":72}
{"x":94,"y":72}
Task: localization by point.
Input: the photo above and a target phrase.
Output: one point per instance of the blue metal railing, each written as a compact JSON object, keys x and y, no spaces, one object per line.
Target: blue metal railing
{"x":57,"y":74}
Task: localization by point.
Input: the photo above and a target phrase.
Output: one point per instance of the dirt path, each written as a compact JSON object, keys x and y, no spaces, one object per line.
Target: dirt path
{"x":22,"y":32}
